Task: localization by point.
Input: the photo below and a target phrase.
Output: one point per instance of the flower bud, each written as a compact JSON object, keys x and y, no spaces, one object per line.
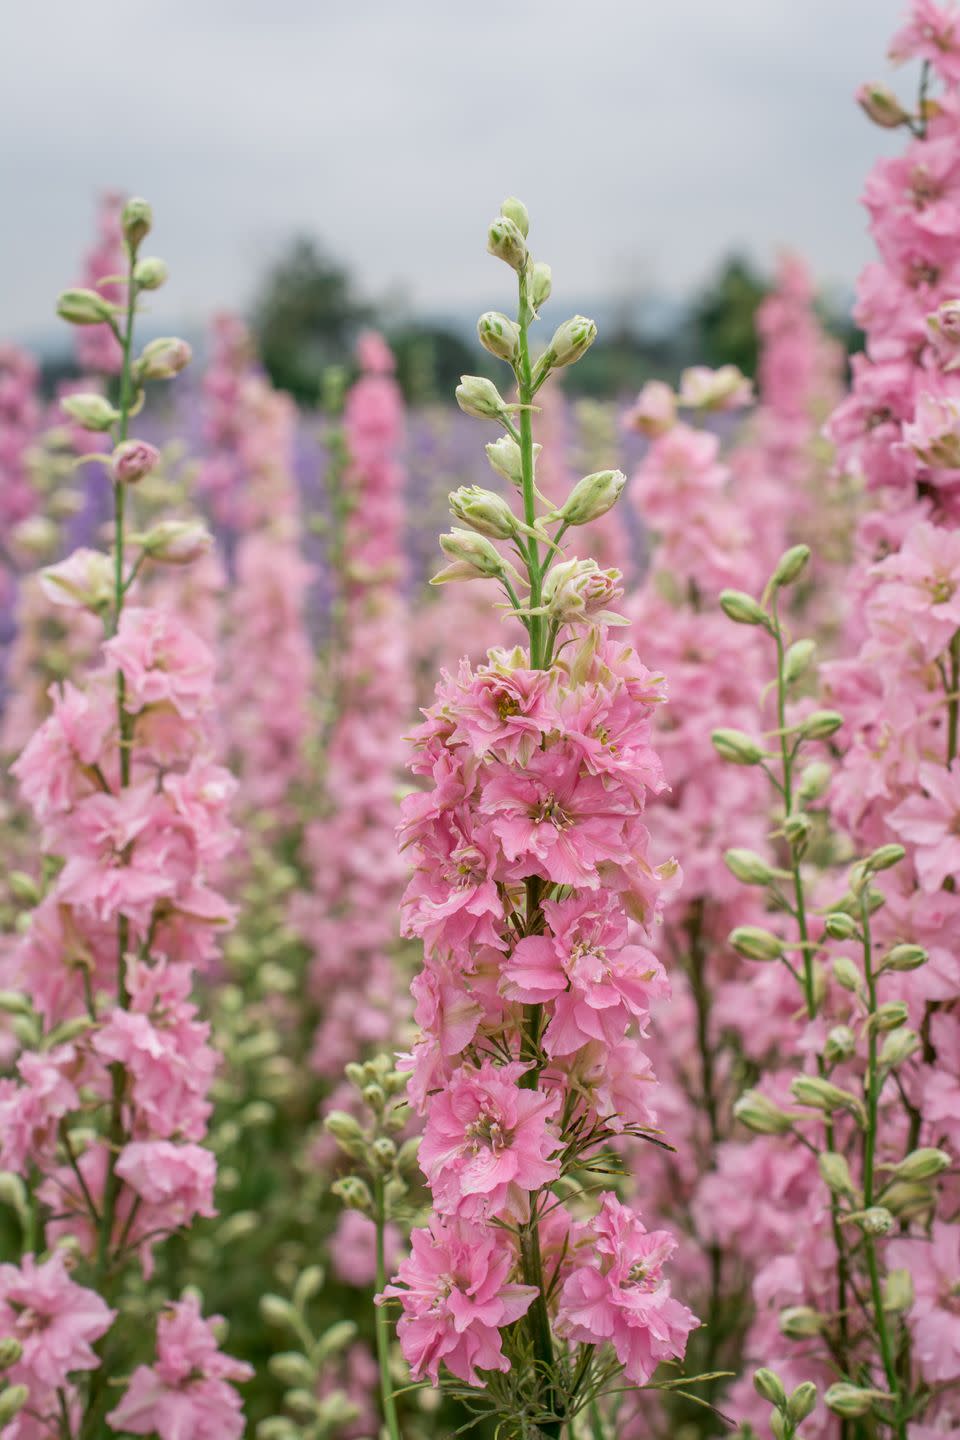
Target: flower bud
{"x":813,"y":781}
{"x":898,"y":1046}
{"x":484,"y":511}
{"x":345,"y":1129}
{"x":881,"y":105}
{"x":725,"y":389}
{"x":504,"y":456}
{"x":898,"y":1291}
{"x":841,"y":1043}
{"x":850,"y":1401}
{"x":92,"y":412}
{"x":655,"y":411}
{"x":800,"y":1322}
{"x":889,"y":1016}
{"x":278,"y":1311}
{"x":408,"y":1153}
{"x":505,"y":241}
{"x":292,"y":1368}
{"x":176,"y":542}
{"x":790,"y":565}
{"x":821,"y":724}
{"x":819,"y":1094}
{"x":797,"y":659}
{"x":768,"y":1385}
{"x":835,"y":1173}
{"x":354,"y":1193}
{"x":750,"y":868}
{"x":839,"y":925}
{"x":875,"y":1221}
{"x":499,"y":335}
{"x":735,"y":746}
{"x":592,"y":497}
{"x":473,"y":556}
{"x":384,"y":1152}
{"x":480,"y":398}
{"x":83,"y":581}
{"x":515,"y":210}
{"x":904,"y":957}
{"x":578,"y":591}
{"x":310,"y":1282}
{"x":10,"y":1351}
{"x":846,"y":974}
{"x":163,"y":358}
{"x":541,"y":284}
{"x":83,"y":307}
{"x":131,"y":460}
{"x":922,"y":1164}
{"x":753,"y":943}
{"x":23,"y":887}
{"x":761,"y":1115}
{"x":909,"y":1200}
{"x":12,"y":1401}
{"x":150,"y":273}
{"x":802,"y":1402}
{"x":570,"y":342}
{"x":797,"y":830}
{"x":137,"y":221}
{"x":334,"y":1339}
{"x":742,"y":608}
{"x":885,"y":856}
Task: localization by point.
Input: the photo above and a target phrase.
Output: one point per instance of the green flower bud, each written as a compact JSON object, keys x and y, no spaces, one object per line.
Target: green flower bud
{"x":800,"y":1322}
{"x":753,"y":943}
{"x":881,"y":105}
{"x":839,"y":925}
{"x":908,"y":1199}
{"x":850,"y":1401}
{"x":876,"y":1220}
{"x":821,"y":724}
{"x":473,"y":556}
{"x":150,"y":273}
{"x":743,"y":609}
{"x":592,"y":497}
{"x":504,"y":456}
{"x":802,"y":1402}
{"x":374,"y":1096}
{"x":898,"y":1291}
{"x":922,"y":1164}
{"x":12,"y":1401}
{"x":898,"y":1046}
{"x":814,"y":781}
{"x":505,"y":240}
{"x":334,"y":1339}
{"x":10,"y":1351}
{"x":277,"y":1311}
{"x":515,"y":210}
{"x":499,"y":335}
{"x":835,"y":1173}
{"x":885,"y":857}
{"x":840,"y":1045}
{"x":137,"y":221}
{"x":819,"y":1094}
{"x":163,"y":358}
{"x":790,"y":565}
{"x":354,"y":1193}
{"x":761,"y":1115}
{"x":292,"y":1368}
{"x":484,"y":511}
{"x":83,"y":307}
{"x":302,"y":1402}
{"x":889,"y":1016}
{"x":346,"y":1130}
{"x":750,"y":868}
{"x":384,"y":1151}
{"x":175,"y":542}
{"x":334,"y":1411}
{"x":735,"y":746}
{"x":541,"y":284}
{"x":408,"y":1152}
{"x":570,"y":342}
{"x":797,"y":830}
{"x":905,"y":957}
{"x":480,"y":398}
{"x":846,"y":974}
{"x":92,"y":412}
{"x":769,"y":1387}
{"x":797,"y":659}
{"x":23,"y":887}
{"x":308,"y":1285}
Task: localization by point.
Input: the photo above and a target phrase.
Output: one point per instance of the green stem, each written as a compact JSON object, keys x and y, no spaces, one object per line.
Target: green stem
{"x":525,"y":387}
{"x":383,"y":1319}
{"x":953,"y":700}
{"x":869,"y":1159}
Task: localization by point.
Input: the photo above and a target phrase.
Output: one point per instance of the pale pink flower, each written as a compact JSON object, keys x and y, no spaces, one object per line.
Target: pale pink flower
{"x":55,"y":1320}
{"x":185,"y":1394}
{"x":918,"y":598}
{"x":162,"y":662}
{"x":457,"y":1297}
{"x":934,"y":1267}
{"x":176,"y":1180}
{"x":931,"y":823}
{"x":932,"y":33}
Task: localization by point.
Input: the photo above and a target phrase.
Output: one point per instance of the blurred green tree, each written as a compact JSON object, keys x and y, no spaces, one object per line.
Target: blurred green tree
{"x":724,"y":316}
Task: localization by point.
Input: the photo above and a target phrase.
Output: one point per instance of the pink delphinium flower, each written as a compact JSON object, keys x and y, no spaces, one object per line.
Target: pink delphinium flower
{"x":931,"y":823}
{"x":187,"y":1392}
{"x":55,"y":1320}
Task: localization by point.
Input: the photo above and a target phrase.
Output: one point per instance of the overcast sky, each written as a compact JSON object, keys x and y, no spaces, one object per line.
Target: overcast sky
{"x":647,"y":137}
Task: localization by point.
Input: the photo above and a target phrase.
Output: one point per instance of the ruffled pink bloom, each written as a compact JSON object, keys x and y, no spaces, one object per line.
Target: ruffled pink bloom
{"x":918,"y":598}
{"x":55,"y":1320}
{"x":487,"y":1143}
{"x":504,"y":709}
{"x":621,"y":1297}
{"x":56,"y":770}
{"x":457,"y":1297}
{"x":162,"y":662}
{"x":31,"y":1110}
{"x":186,"y":1394}
{"x":176,"y":1180}
{"x":931,"y":823}
{"x":932,"y":33}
